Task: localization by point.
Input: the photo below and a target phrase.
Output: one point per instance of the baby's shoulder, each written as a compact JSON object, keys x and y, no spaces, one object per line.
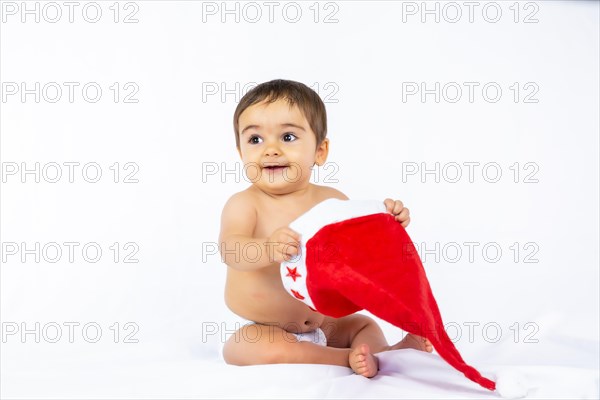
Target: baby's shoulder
{"x":327,"y":192}
{"x":244,"y":199}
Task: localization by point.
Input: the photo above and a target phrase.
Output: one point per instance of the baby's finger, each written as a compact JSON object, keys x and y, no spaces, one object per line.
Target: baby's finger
{"x":405,"y":222}
{"x":292,"y":234}
{"x":289,"y":239}
{"x":290,"y":244}
{"x":404,"y":214}
{"x":389,"y":205}
{"x":398,"y":206}
{"x":289,"y":252}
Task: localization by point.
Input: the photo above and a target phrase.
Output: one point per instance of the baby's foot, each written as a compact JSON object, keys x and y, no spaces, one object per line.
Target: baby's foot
{"x":363,"y":362}
{"x":411,"y":341}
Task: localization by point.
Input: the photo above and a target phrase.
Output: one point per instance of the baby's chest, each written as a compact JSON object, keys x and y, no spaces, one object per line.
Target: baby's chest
{"x":267,"y":224}
{"x":275,"y":215}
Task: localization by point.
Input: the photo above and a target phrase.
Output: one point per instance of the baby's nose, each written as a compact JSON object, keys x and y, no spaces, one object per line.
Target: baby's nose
{"x":272,"y":151}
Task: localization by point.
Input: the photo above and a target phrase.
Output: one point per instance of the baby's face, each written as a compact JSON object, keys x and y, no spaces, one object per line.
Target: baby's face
{"x":278,"y":147}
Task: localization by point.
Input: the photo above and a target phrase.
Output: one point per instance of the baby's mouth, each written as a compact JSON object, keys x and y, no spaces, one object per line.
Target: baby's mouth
{"x":274,"y":167}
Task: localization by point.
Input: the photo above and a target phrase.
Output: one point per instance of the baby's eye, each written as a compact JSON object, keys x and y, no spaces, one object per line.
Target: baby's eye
{"x":254,"y":140}
{"x":289,"y":137}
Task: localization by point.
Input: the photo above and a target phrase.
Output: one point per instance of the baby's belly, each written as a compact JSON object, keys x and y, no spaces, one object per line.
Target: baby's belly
{"x":260,"y":297}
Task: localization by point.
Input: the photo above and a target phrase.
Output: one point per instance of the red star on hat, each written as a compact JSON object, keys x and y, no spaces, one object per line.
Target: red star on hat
{"x":292,"y":273}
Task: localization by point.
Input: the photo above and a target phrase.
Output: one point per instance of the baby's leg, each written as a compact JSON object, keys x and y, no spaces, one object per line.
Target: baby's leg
{"x":355,"y":329}
{"x":412,"y":341}
{"x":362,"y":335}
{"x":267,"y":344}
{"x":365,"y":338}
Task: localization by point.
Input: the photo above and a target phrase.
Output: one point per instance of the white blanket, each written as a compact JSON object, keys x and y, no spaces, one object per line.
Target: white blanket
{"x":404,"y":374}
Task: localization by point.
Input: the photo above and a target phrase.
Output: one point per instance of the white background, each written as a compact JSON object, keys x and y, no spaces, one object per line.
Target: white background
{"x":362,"y":61}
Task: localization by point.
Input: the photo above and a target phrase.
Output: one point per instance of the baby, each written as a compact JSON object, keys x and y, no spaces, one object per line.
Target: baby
{"x":280,"y":131}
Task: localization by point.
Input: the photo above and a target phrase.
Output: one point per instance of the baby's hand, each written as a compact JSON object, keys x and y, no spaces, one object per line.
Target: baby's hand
{"x":283,"y":245}
{"x":397,"y":209}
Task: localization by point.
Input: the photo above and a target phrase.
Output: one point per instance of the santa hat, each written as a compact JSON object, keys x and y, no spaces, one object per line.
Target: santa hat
{"x":354,"y":256}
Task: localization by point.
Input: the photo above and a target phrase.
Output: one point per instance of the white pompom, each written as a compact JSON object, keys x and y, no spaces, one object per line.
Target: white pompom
{"x":511,"y":384}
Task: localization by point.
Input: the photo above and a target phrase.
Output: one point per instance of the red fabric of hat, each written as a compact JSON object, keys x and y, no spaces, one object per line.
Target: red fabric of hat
{"x":369,"y":262}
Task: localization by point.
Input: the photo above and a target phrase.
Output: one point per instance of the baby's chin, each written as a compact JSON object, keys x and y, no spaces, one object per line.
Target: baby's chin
{"x":281,"y":187}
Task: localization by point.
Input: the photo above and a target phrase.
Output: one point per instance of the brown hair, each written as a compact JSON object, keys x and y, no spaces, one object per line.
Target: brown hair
{"x":296,"y":93}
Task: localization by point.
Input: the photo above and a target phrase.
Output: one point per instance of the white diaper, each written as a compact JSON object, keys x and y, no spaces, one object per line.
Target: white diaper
{"x":317,"y":337}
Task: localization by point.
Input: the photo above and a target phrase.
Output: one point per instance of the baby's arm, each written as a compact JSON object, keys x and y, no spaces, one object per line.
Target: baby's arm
{"x":238,"y":222}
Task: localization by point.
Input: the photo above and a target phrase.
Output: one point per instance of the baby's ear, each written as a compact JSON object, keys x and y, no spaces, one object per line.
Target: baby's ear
{"x":322,"y":152}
